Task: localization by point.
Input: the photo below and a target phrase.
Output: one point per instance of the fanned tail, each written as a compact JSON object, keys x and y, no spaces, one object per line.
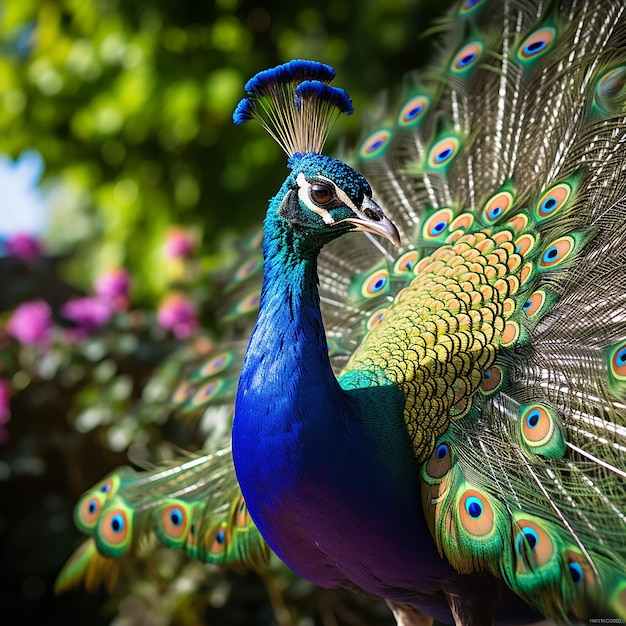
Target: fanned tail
{"x":524,"y":139}
{"x":88,"y":567}
{"x":195,"y":506}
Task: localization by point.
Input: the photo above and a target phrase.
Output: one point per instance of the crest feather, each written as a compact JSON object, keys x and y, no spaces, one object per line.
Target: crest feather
{"x":295,"y":104}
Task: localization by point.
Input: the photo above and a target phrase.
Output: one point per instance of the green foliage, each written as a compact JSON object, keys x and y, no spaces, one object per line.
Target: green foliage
{"x":130,"y":105}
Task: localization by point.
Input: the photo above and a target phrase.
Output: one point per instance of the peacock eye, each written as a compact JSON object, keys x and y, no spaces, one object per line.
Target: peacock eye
{"x":320,"y":194}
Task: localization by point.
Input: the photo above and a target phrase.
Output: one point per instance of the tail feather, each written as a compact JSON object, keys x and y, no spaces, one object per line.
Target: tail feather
{"x":89,"y":567}
{"x":195,"y":505}
{"x":537,"y":141}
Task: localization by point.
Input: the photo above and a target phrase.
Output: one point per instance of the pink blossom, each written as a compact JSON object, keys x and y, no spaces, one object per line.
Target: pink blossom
{"x":5,"y":396}
{"x":178,"y":314}
{"x":88,"y":313}
{"x":73,"y":336}
{"x":114,"y":285}
{"x":31,"y":323}
{"x":179,"y":243}
{"x":5,"y":409}
{"x":24,"y":247}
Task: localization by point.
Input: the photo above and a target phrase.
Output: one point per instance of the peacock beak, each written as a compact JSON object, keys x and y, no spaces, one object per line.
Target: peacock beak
{"x":372,"y":220}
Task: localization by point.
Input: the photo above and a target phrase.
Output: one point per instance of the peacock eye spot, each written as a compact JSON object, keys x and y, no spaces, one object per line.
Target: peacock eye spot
{"x":576,"y":571}
{"x":117,"y":523}
{"x":320,"y":194}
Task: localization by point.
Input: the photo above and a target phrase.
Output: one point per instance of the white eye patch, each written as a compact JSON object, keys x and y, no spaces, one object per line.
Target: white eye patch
{"x":303,"y":195}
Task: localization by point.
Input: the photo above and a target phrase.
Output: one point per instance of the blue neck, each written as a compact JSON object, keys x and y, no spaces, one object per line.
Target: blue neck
{"x":287,"y":357}
{"x":286,"y":370}
{"x":324,"y":471}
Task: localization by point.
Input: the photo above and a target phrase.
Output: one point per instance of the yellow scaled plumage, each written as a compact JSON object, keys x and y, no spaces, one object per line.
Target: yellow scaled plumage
{"x":443,"y":330}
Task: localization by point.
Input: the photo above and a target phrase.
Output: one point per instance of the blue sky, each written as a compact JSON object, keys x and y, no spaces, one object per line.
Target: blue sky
{"x":22,"y":206}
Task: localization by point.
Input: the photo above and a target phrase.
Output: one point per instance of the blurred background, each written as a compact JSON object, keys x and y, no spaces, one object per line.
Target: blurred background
{"x":123,"y":185}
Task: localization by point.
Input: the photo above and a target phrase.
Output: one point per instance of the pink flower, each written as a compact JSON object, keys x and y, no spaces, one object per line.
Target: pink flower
{"x":88,"y":313}
{"x":24,"y":247}
{"x":114,"y":285}
{"x":5,"y":396}
{"x":73,"y":336}
{"x":31,"y":323}
{"x":179,"y":243}
{"x":177,"y":314}
{"x":5,"y":409}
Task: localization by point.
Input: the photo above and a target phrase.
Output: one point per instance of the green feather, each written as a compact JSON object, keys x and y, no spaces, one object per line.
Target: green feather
{"x":90,"y":568}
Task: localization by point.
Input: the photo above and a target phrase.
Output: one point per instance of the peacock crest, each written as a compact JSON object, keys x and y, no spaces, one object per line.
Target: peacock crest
{"x":295,"y":104}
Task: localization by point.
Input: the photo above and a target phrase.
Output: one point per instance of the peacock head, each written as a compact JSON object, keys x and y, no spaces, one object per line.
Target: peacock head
{"x":322,"y":197}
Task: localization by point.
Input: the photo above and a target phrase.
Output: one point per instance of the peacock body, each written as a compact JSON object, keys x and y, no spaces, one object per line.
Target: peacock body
{"x":433,"y":413}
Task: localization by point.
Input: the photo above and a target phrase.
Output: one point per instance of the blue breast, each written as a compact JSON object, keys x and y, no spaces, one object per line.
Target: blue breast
{"x":335,"y":494}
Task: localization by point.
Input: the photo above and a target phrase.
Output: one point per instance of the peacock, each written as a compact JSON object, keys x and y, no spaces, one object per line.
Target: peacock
{"x":431,"y":410}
